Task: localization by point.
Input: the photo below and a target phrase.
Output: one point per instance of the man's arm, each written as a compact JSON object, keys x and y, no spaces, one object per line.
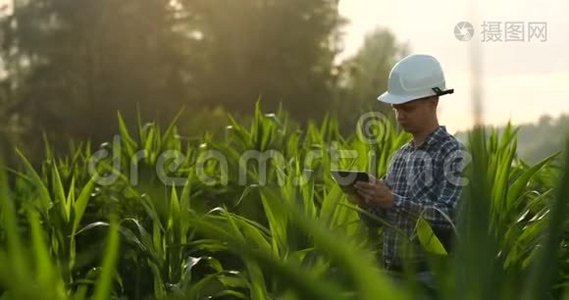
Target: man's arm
{"x":379,"y":195}
{"x":437,"y":211}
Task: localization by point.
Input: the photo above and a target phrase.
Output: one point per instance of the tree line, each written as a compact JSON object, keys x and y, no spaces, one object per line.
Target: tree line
{"x":68,"y":66}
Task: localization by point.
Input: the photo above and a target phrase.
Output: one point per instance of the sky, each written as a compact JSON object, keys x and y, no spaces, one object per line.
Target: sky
{"x":521,"y":80}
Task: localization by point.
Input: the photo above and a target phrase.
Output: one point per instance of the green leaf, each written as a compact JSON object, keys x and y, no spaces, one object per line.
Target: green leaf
{"x":81,"y":202}
{"x":517,"y":188}
{"x":59,"y":191}
{"x":126,"y":138}
{"x":18,"y":264}
{"x":45,"y":202}
{"x":428,"y":239}
{"x":103,"y":288}
{"x":544,"y":267}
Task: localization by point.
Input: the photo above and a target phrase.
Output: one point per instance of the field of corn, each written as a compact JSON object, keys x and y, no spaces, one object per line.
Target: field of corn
{"x":161,"y":216}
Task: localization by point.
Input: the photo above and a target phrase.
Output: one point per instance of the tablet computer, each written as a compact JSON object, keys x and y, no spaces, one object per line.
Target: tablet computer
{"x":346,"y":179}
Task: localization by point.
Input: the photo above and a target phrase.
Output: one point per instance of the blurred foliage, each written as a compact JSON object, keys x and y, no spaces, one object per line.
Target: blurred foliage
{"x":541,"y":139}
{"x":364,"y":76}
{"x":281,"y":51}
{"x":200,"y":226}
{"x":536,"y":141}
{"x":68,"y":66}
{"x":71,"y":65}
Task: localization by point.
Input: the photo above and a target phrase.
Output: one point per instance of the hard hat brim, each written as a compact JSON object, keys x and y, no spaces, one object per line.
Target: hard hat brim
{"x":398,"y":99}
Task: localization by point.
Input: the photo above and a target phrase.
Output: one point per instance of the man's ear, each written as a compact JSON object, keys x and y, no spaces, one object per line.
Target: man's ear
{"x":435,"y":101}
{"x":431,"y":101}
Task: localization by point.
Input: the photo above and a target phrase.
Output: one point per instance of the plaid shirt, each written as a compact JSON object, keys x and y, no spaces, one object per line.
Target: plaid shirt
{"x":425,"y":180}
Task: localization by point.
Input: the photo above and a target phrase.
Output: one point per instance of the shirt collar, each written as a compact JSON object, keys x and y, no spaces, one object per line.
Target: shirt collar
{"x":430,"y":138}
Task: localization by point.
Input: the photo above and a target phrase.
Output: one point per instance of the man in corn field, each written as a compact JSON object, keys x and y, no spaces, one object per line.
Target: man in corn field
{"x":424,"y":177}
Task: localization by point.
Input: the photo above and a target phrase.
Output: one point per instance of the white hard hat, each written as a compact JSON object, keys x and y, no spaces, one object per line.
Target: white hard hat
{"x":415,"y":76}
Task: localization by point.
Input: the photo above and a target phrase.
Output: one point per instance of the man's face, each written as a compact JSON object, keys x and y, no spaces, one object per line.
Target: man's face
{"x":415,"y":115}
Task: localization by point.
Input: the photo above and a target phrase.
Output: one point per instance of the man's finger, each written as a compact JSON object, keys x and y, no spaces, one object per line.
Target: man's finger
{"x":372,"y":178}
{"x":381,"y":183}
{"x":363,"y":184}
{"x":365,"y":190}
{"x":369,"y":196}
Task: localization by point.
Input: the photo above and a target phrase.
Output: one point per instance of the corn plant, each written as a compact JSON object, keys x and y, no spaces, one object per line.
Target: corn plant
{"x":281,"y":229}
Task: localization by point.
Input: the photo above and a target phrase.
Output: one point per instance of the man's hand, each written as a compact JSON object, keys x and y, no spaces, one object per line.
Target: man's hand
{"x":375,"y":193}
